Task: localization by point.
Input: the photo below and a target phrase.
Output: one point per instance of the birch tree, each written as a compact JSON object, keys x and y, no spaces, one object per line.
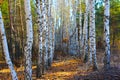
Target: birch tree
{"x":39,"y":22}
{"x":53,"y":26}
{"x":92,"y":35}
{"x":76,"y":10}
{"x":107,"y":35}
{"x":5,"y":49}
{"x":29,"y":42}
{"x":75,"y":24}
{"x":73,"y":31}
{"x":85,"y":32}
{"x":50,"y":52}
{"x":44,"y":36}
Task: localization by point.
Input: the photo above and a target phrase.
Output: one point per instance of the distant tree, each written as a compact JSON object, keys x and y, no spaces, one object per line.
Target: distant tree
{"x":80,"y":28}
{"x":114,"y":21}
{"x":29,"y":42}
{"x":5,"y":49}
{"x":53,"y":26}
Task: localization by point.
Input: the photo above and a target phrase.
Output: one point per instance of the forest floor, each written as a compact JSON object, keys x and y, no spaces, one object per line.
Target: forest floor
{"x":66,"y":67}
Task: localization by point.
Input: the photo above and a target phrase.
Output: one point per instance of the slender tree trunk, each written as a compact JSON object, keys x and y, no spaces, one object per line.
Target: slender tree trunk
{"x":92,"y":35}
{"x":50,"y":53}
{"x":44,"y":36}
{"x":53,"y":28}
{"x":77,"y":42}
{"x":47,"y":35}
{"x":5,"y":49}
{"x":39,"y":22}
{"x":75,"y":25}
{"x":53,"y":41}
{"x":29,"y":42}
{"x":71,"y":27}
{"x":107,"y":35}
{"x":85,"y":32}
{"x":22,"y":26}
{"x":80,"y":29}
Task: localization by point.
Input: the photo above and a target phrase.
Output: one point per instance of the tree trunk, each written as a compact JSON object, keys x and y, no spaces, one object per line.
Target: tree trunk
{"x":107,"y":35}
{"x":50,"y":53}
{"x":5,"y":49}
{"x":29,"y":42}
{"x":47,"y":34}
{"x":53,"y":29}
{"x":85,"y":32}
{"x":22,"y":27}
{"x":80,"y":29}
{"x":44,"y":36}
{"x":92,"y":35}
{"x":39,"y":22}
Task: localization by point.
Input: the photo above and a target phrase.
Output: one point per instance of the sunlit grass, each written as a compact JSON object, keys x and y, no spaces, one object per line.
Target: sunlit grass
{"x":60,"y":75}
{"x":64,"y":62}
{"x":63,"y":70}
{"x":17,"y":69}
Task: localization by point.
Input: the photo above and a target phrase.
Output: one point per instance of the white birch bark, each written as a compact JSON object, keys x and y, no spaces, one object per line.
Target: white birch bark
{"x":44,"y":36}
{"x":77,"y":41}
{"x":53,"y":41}
{"x":71,"y":28}
{"x":5,"y":49}
{"x":85,"y":32}
{"x":71,"y":11}
{"x":107,"y":35}
{"x":50,"y":53}
{"x":29,"y":42}
{"x":73,"y":31}
{"x":75,"y":25}
{"x":92,"y":35}
{"x":53,"y":28}
{"x":39,"y":22}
